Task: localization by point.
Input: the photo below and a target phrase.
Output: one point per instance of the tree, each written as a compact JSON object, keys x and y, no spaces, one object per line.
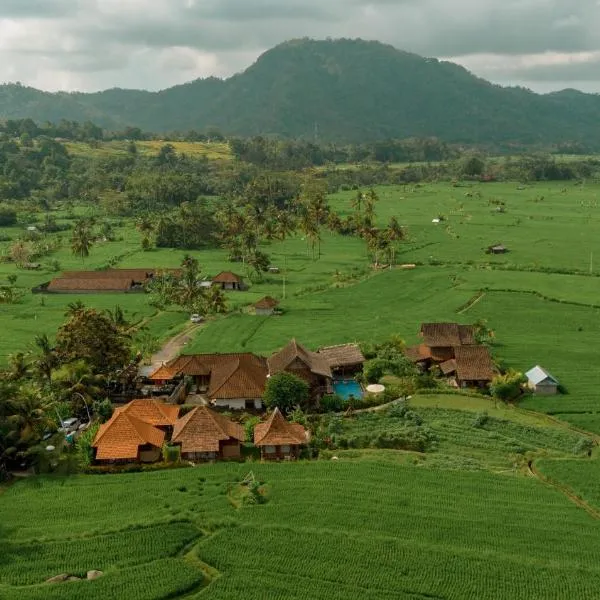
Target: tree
{"x":508,"y":386}
{"x":82,"y":239}
{"x":286,"y":391}
{"x":92,"y":336}
{"x":78,"y":384}
{"x":46,"y":360}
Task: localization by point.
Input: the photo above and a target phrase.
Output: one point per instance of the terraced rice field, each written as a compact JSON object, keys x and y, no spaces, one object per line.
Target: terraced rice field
{"x":329,"y":530}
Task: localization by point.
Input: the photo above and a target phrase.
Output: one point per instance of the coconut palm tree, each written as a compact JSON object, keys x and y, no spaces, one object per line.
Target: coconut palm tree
{"x":82,"y":239}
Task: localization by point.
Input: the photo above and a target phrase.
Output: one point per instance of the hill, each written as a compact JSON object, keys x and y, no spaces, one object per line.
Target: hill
{"x":342,"y":90}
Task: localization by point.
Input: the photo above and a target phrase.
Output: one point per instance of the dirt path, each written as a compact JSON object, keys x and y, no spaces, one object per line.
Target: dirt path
{"x":563,"y":489}
{"x":174,"y":346}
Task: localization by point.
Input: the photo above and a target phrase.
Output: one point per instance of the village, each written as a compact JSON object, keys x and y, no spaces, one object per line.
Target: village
{"x":194,"y":406}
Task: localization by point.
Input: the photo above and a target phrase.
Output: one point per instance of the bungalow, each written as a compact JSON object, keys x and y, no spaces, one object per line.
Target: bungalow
{"x":310,"y":366}
{"x":344,"y":359}
{"x":235,"y":381}
{"x":227,"y":280}
{"x":204,"y":434}
{"x":278,"y":439}
{"x":135,"y":432}
{"x":439,"y":341}
{"x":542,"y":382}
{"x":266,"y":306}
{"x":472,"y":366}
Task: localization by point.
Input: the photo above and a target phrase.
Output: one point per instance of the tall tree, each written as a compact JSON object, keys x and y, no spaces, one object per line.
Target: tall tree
{"x":82,"y":239}
{"x":92,"y":336}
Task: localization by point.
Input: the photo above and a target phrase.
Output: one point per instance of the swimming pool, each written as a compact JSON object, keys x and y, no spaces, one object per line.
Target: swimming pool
{"x":346,"y":388}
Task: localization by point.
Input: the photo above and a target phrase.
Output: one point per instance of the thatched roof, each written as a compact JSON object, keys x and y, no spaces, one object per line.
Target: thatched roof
{"x":281,"y":360}
{"x":276,"y":431}
{"x":344,"y":355}
{"x":447,"y":334}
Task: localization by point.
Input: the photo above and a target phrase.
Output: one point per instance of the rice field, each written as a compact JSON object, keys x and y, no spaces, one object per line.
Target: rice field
{"x":328,"y":530}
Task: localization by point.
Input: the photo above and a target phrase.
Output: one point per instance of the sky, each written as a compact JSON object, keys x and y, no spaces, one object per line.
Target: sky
{"x":89,"y":45}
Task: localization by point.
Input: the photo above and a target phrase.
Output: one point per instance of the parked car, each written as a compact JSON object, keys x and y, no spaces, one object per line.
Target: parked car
{"x":70,"y":425}
{"x":196,"y":318}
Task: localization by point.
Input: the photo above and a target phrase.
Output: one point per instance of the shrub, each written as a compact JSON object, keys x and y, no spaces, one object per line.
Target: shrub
{"x":507,"y":387}
{"x":481,"y":419}
{"x":332,"y":403}
{"x":171,"y":454}
{"x":249,"y":426}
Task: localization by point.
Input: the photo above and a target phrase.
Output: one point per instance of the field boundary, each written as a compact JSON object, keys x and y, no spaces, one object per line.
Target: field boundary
{"x":563,"y":489}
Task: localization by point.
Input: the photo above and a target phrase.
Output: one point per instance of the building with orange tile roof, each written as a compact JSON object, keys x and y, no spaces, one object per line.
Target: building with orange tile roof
{"x":279,"y":439}
{"x":235,"y":381}
{"x":136,"y":432}
{"x":204,"y":434}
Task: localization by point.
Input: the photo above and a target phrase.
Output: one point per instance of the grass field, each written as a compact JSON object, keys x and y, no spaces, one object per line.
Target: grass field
{"x":212,"y":150}
{"x":329,"y":530}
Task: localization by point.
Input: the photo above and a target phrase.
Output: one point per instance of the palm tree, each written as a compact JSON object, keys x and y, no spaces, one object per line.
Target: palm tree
{"x":76,"y":380}
{"x":47,"y":360}
{"x":74,"y":307}
{"x":19,"y":367}
{"x":394,"y":233}
{"x":82,"y":239}
{"x":216,"y":301}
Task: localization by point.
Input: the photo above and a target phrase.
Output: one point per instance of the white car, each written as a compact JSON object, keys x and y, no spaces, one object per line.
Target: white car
{"x":69,"y":425}
{"x":195,"y":318}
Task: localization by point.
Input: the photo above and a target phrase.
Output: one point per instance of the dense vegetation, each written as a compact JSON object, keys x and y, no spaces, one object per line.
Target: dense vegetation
{"x":344,"y":90}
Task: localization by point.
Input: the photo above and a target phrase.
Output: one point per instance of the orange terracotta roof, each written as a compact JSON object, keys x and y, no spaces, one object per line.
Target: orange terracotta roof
{"x":202,"y":429}
{"x":122,"y":436}
{"x":163,"y":373}
{"x":276,"y":431}
{"x":473,"y":363}
{"x":152,"y":411}
{"x":237,"y":375}
{"x":342,"y":355}
{"x":447,"y":334}
{"x":266,"y":303}
{"x":281,"y":360}
{"x":227,"y":277}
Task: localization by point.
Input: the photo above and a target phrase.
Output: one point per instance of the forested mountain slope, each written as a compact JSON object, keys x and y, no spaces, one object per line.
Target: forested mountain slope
{"x":341,"y":90}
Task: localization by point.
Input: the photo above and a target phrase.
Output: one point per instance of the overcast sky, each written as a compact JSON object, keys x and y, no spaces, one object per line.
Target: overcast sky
{"x":152,"y":44}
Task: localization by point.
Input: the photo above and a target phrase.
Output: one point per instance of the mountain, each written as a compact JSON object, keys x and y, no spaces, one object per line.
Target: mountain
{"x":341,"y":90}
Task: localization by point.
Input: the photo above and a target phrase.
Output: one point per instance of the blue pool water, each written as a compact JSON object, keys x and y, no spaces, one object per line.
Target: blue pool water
{"x":346,"y":388}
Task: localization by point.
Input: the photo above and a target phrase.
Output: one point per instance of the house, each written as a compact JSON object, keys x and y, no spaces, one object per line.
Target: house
{"x":310,"y":366}
{"x":497,"y":249}
{"x":471,"y":366}
{"x":227,"y":280}
{"x":235,"y":381}
{"x":278,"y":439}
{"x":135,"y":432}
{"x":204,"y":434}
{"x":439,"y":341}
{"x":344,"y":359}
{"x":542,"y":382}
{"x":266,"y":306}
{"x":107,"y":280}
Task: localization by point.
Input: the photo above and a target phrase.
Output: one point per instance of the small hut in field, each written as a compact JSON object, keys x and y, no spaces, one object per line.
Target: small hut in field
{"x":266,"y":306}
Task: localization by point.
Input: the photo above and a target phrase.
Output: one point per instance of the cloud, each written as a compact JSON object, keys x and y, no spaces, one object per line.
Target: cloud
{"x":92,"y":44}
